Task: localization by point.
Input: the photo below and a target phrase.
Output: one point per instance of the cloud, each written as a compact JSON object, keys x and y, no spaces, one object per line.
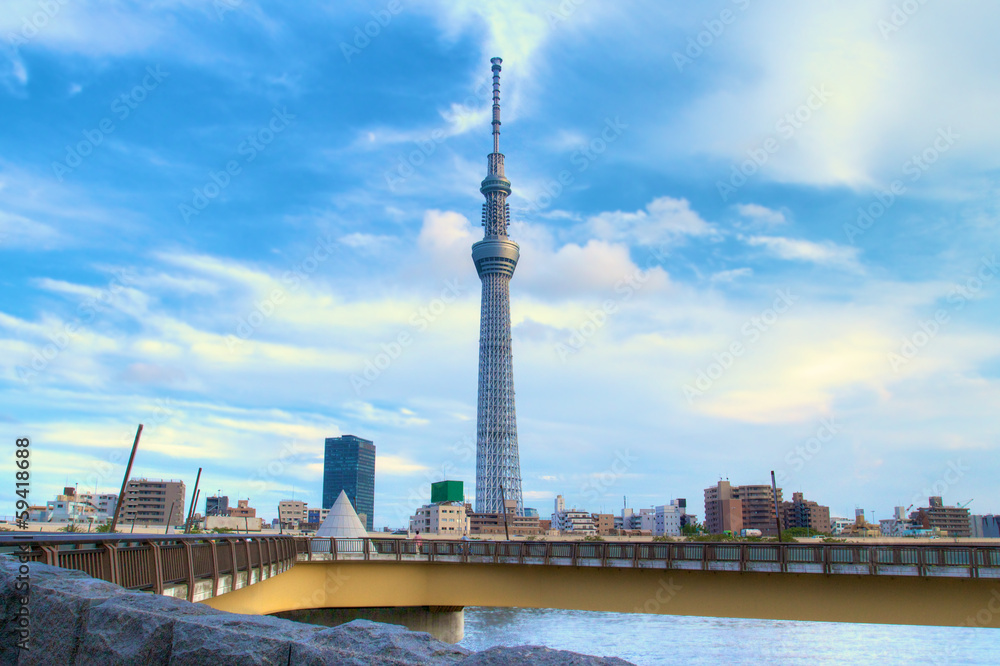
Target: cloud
{"x":731,"y":275}
{"x":664,"y":220}
{"x":826,"y":253}
{"x":761,"y":216}
{"x":20,"y":232}
{"x":394,"y":465}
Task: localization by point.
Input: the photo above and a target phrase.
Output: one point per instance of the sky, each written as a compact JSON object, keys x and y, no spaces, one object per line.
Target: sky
{"x":754,"y":237}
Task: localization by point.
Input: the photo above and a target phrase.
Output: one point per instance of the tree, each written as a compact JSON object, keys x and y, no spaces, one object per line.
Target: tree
{"x":70,"y":527}
{"x":104,"y":527}
{"x":692,"y":527}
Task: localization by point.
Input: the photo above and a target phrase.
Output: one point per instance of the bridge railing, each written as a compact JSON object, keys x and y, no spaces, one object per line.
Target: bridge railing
{"x":155,"y":563}
{"x":972,"y":561}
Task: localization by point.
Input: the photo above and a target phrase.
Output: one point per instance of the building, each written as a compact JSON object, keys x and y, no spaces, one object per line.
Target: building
{"x":952,"y":520}
{"x":234,"y":523}
{"x":104,"y":503}
{"x":446,"y":519}
{"x":498,"y":468}
{"x":217,"y":506}
{"x":803,"y":513}
{"x":604,"y":523}
{"x":509,"y":523}
{"x":839,"y":526}
{"x":574,"y":522}
{"x":70,"y":508}
{"x":242,"y":510}
{"x":154,"y":502}
{"x":754,"y":511}
{"x":667,"y":518}
{"x":446,"y":514}
{"x":723,"y":510}
{"x":316,"y":516}
{"x":984,"y":527}
{"x":349,"y":466}
{"x":292,"y":513}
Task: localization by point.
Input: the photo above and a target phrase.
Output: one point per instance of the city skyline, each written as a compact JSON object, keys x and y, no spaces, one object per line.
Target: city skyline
{"x":248,"y":228}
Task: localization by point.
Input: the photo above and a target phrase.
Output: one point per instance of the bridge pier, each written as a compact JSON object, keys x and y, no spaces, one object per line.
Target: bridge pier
{"x":445,"y":623}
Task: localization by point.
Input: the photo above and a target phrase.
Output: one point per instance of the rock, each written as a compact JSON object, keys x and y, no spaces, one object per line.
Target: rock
{"x":388,"y":644}
{"x":535,"y":655}
{"x":75,"y":619}
{"x":58,"y":603}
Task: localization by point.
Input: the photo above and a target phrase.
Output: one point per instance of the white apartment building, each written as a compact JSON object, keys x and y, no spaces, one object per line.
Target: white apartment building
{"x":667,"y":520}
{"x":571,"y":520}
{"x":105,"y":503}
{"x":442,"y":518}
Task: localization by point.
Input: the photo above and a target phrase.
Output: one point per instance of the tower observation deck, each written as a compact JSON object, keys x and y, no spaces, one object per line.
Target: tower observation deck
{"x":498,"y":469}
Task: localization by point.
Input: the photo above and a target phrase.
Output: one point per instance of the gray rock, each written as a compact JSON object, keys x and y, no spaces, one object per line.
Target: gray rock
{"x":535,"y":655}
{"x":388,"y":644}
{"x":76,"y":619}
{"x":58,"y":603}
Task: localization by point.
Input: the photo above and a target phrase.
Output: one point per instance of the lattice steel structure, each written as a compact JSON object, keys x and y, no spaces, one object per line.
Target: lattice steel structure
{"x":498,"y":469}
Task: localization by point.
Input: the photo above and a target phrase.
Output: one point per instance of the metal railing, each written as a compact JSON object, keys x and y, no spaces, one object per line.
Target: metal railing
{"x":966,"y":561}
{"x":154,"y":563}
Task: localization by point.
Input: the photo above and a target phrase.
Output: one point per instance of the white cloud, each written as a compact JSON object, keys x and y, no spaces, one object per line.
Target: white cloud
{"x":826,"y":253}
{"x":878,"y":113}
{"x":17,"y":231}
{"x":761,"y":215}
{"x":664,"y":220}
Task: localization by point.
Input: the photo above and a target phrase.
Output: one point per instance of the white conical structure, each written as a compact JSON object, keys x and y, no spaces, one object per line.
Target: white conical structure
{"x":342,"y":522}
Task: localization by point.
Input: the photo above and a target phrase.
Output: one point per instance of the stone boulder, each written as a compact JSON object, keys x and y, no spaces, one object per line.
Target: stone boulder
{"x":75,"y":619}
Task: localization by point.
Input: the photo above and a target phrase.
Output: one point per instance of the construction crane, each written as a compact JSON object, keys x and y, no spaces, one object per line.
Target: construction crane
{"x":962,"y":506}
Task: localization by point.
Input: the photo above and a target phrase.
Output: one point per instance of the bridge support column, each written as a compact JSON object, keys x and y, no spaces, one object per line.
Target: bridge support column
{"x":445,"y":623}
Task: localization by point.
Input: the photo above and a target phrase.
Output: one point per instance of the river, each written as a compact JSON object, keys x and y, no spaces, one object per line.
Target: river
{"x":665,"y":639}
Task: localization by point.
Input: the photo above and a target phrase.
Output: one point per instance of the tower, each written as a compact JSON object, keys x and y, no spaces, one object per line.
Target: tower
{"x":498,"y":469}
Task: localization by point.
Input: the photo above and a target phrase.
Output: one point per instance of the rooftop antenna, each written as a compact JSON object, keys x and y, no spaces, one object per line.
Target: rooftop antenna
{"x":496,"y":103}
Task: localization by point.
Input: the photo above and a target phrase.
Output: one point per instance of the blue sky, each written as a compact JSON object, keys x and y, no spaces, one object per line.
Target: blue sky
{"x":753,"y":237}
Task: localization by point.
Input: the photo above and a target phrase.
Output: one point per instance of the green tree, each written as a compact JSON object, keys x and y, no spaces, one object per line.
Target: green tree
{"x":70,"y":527}
{"x":104,"y":527}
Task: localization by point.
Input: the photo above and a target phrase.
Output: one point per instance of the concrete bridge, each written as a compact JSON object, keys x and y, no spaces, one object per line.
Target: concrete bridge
{"x":922,"y":584}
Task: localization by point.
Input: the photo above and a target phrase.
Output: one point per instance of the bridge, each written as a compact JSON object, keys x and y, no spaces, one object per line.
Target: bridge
{"x":920,"y":584}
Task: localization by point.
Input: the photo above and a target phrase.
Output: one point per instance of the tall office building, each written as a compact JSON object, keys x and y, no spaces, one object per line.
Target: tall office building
{"x":349,"y":465}
{"x":498,"y":469}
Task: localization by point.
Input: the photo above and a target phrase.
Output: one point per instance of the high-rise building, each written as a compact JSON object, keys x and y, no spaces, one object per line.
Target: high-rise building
{"x":950,"y":519}
{"x":734,"y":508}
{"x":153,"y":502}
{"x":217,"y":505}
{"x":498,"y":468}
{"x":349,"y":465}
{"x":804,"y":513}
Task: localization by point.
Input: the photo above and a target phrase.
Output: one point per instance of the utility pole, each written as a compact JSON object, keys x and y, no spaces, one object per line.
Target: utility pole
{"x":128,"y":470}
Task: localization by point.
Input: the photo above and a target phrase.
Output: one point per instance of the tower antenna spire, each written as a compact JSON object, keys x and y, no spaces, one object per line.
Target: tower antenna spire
{"x":496,"y":103}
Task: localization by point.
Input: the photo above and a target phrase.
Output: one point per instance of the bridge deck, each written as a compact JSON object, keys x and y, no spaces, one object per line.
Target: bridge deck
{"x":964,"y":561}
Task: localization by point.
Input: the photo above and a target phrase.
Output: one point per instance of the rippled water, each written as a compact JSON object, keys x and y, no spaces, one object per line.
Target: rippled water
{"x":665,"y":639}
